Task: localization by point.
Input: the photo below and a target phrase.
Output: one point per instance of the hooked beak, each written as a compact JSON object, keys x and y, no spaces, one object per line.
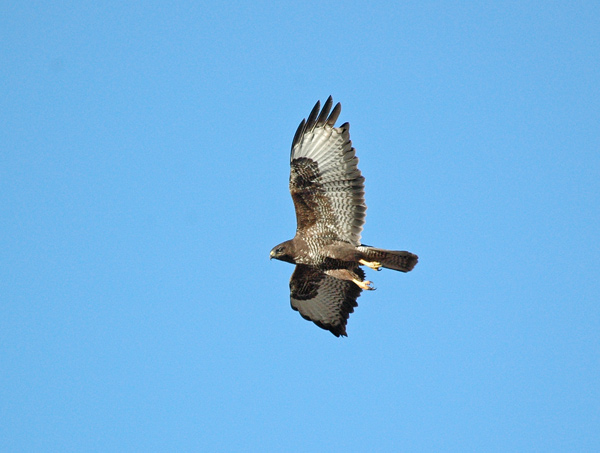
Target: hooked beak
{"x":271,"y":255}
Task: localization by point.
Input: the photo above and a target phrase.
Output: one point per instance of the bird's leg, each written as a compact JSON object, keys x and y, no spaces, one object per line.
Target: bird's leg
{"x":366,"y":285}
{"x":376,"y":266}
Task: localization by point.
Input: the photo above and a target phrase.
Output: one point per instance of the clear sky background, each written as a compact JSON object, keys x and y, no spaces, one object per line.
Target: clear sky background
{"x":143,"y":180}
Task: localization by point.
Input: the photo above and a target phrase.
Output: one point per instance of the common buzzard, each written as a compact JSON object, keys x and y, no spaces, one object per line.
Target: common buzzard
{"x":328,"y":192}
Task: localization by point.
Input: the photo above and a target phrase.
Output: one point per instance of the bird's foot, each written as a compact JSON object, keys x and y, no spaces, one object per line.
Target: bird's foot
{"x":376,"y":266}
{"x":366,"y":285}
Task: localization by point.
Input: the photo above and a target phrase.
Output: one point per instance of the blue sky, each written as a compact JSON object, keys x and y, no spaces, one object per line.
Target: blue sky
{"x":143,"y":181}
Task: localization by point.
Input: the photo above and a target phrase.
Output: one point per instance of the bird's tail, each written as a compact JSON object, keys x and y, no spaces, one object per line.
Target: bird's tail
{"x":391,"y":259}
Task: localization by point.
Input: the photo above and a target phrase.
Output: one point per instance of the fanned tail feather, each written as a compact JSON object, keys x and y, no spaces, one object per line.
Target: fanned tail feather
{"x":391,"y":259}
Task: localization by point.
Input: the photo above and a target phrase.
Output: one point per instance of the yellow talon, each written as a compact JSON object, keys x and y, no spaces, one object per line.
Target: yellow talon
{"x":366,"y":285}
{"x":376,"y":266}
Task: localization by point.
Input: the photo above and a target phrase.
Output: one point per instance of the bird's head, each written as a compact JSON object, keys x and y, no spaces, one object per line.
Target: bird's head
{"x":283,"y":252}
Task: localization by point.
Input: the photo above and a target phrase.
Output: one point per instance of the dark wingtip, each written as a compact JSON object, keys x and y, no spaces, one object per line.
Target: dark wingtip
{"x":311,"y":121}
{"x":325,"y":112}
{"x":298,"y":133}
{"x":338,"y":331}
{"x":319,"y":117}
{"x":334,"y":114}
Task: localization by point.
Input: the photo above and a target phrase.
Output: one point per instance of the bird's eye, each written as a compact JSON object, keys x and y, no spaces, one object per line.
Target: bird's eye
{"x":279,"y":250}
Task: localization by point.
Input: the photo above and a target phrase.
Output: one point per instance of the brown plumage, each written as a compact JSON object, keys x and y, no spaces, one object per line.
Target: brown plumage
{"x":328,"y":193}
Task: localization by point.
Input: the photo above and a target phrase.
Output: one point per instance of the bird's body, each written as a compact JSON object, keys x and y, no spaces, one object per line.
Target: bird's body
{"x":328,"y":193}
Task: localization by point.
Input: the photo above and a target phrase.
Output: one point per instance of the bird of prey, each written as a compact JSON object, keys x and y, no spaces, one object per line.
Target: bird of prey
{"x":328,"y":193}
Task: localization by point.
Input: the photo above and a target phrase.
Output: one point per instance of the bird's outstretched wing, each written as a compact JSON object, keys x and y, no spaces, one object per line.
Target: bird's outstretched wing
{"x":325,"y":182}
{"x":323,"y":299}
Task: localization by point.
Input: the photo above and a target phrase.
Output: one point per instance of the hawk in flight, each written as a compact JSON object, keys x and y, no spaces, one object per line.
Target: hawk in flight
{"x":328,"y":192}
